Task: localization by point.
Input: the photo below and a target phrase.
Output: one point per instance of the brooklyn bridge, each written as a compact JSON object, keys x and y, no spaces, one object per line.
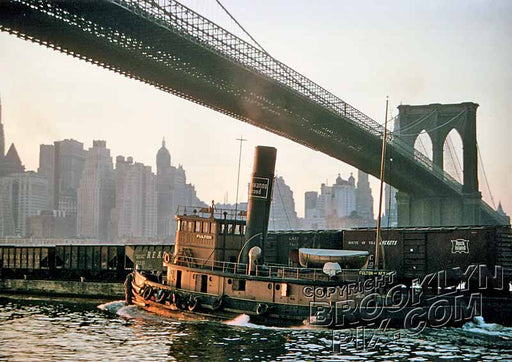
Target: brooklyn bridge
{"x":175,"y":49}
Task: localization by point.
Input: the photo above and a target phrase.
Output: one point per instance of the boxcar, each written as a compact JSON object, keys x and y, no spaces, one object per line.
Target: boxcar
{"x":415,"y":252}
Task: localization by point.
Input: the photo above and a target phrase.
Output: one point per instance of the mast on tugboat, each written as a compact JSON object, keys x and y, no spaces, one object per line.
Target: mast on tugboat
{"x":382,"y":160}
{"x":241,"y":139}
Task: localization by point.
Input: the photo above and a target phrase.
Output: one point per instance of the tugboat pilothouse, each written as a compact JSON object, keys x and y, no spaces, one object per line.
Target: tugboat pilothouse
{"x":219,"y":267}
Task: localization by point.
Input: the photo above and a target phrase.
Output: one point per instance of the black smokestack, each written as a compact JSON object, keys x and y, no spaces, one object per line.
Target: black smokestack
{"x":260,"y":197}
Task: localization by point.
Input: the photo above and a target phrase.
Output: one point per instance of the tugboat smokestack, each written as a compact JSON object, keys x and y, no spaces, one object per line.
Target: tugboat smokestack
{"x":260,"y":198}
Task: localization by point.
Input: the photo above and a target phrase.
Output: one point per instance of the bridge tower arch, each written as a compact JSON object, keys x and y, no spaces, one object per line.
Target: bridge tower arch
{"x":438,"y":120}
{"x":453,"y":158}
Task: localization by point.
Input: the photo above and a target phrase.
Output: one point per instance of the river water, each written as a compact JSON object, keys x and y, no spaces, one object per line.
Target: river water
{"x":75,"y":330}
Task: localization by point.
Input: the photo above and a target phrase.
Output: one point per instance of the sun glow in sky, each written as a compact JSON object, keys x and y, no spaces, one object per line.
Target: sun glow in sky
{"x":415,"y":52}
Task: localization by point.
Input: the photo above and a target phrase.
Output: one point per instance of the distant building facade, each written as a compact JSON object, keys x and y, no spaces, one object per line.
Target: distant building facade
{"x":47,"y":169}
{"x":51,"y":224}
{"x":69,"y":162}
{"x":16,"y":201}
{"x":390,"y":217}
{"x":26,"y":194}
{"x":339,"y":206}
{"x":172,"y":191}
{"x":282,"y":209}
{"x":135,"y":212}
{"x":96,"y":193}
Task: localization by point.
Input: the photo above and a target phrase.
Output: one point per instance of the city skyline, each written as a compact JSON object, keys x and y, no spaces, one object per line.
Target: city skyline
{"x":433,"y":62}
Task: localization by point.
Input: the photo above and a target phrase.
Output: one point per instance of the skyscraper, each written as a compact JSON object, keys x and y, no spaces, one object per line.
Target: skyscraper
{"x":26,"y":194}
{"x":364,"y":198}
{"x":11,"y":162}
{"x":342,"y":205}
{"x":96,"y":194}
{"x":6,"y":219}
{"x":172,"y":191}
{"x":135,"y":212}
{"x":47,"y":168}
{"x":69,"y":161}
{"x":282,"y":209}
{"x":165,"y":181}
{"x":343,"y":197}
{"x":390,"y":218}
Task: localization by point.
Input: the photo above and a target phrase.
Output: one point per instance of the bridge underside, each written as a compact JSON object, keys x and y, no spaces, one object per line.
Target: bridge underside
{"x":111,"y":36}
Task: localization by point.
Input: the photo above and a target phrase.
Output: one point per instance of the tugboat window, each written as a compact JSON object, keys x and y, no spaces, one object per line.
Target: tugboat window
{"x":212,"y":227}
{"x":198,"y":226}
{"x":206,"y":227}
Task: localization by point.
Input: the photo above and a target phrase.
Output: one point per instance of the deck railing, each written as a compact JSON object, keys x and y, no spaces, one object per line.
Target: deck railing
{"x":275,"y":271}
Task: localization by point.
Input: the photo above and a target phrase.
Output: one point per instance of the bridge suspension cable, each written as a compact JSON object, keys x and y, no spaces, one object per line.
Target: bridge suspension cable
{"x":485,"y":177}
{"x":453,"y":119}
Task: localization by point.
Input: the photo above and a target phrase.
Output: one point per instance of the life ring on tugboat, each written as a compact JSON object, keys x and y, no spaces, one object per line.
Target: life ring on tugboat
{"x":148,"y":292}
{"x":261,"y":309}
{"x":167,"y":257}
{"x":217,"y":303}
{"x":161,"y":295}
{"x":193,"y":303}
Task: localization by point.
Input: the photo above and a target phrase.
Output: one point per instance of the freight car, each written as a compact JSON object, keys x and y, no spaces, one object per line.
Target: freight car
{"x":419,"y":251}
{"x":94,"y":262}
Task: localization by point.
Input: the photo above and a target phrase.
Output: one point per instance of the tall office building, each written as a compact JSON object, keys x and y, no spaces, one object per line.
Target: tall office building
{"x":389,"y":205}
{"x":172,"y":191}
{"x":27,"y":195}
{"x":341,"y":205}
{"x":96,"y":193}
{"x":47,"y":168}
{"x":364,"y":198}
{"x":135,"y":212}
{"x":10,"y":163}
{"x":6,"y":219}
{"x":68,"y":168}
{"x":164,"y":177}
{"x":343,"y":197}
{"x":282,"y":209}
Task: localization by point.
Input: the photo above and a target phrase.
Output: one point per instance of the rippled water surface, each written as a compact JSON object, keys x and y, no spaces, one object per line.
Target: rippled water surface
{"x":44,"y":330}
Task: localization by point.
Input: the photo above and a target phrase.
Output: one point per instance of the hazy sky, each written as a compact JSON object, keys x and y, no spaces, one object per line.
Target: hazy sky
{"x":417,"y":52}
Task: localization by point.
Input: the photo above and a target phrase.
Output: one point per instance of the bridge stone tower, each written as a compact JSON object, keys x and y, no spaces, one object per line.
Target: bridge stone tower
{"x":437,"y":120}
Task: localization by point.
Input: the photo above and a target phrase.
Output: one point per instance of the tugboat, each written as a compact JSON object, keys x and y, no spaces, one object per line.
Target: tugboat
{"x":218,"y":267}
